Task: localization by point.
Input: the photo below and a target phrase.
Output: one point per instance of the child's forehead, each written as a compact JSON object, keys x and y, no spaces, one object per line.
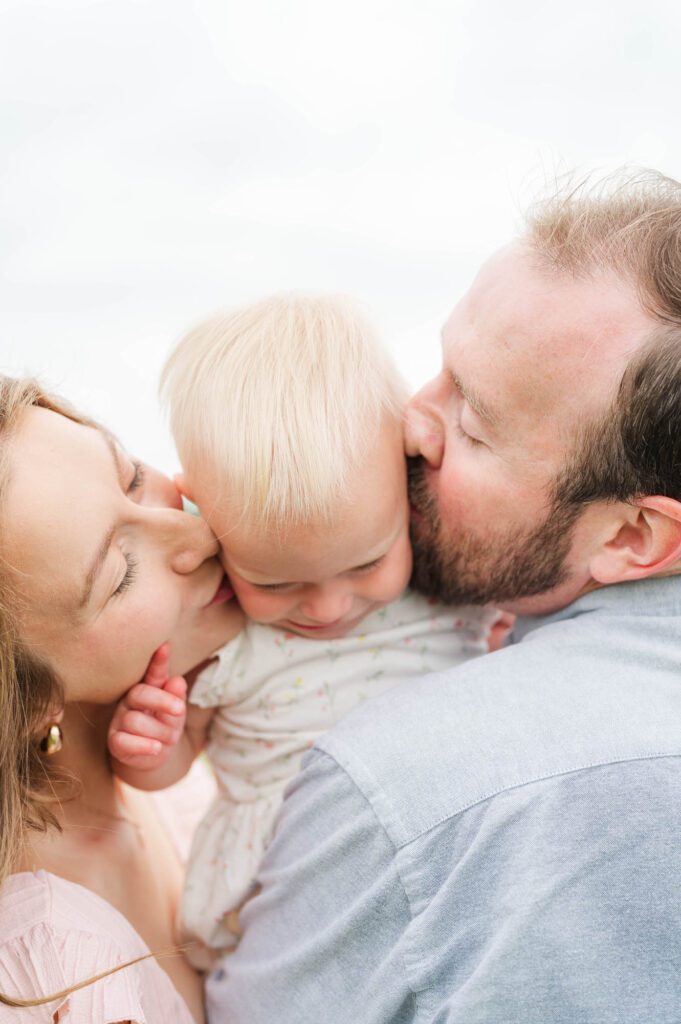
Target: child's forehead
{"x":374,"y":482}
{"x":309,"y":553}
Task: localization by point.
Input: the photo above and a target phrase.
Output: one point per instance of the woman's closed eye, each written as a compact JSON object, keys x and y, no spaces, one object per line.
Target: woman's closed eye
{"x":129,"y":575}
{"x":137,"y":478}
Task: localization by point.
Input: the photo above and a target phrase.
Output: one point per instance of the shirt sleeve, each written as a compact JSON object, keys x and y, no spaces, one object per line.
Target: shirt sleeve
{"x":41,"y":962}
{"x":322,"y":937}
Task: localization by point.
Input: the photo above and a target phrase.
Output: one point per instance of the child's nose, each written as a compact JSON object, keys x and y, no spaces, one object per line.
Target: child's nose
{"x":327,"y":604}
{"x":423,"y":433}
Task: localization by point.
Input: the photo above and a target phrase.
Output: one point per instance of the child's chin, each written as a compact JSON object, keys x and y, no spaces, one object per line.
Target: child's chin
{"x":332,"y":631}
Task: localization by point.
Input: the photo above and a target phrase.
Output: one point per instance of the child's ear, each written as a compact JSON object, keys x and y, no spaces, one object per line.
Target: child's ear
{"x":181,"y":484}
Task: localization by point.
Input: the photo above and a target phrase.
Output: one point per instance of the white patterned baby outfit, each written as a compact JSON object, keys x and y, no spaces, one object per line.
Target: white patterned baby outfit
{"x":275,"y":693}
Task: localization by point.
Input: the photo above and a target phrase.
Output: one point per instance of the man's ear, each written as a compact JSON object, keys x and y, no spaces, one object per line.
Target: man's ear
{"x":647,"y":542}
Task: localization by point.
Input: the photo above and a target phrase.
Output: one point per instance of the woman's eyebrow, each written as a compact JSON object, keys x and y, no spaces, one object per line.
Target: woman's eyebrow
{"x":96,"y":567}
{"x":103,"y":549}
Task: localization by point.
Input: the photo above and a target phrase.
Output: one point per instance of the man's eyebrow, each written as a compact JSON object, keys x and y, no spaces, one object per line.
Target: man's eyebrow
{"x":103,"y":549}
{"x":475,"y":402}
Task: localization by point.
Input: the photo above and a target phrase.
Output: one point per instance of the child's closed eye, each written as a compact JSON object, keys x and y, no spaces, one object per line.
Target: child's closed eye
{"x":276,"y":587}
{"x":369,"y":566}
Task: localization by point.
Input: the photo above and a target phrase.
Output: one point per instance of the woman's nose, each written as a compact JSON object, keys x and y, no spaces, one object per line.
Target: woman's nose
{"x":423,"y":432}
{"x":188,"y":540}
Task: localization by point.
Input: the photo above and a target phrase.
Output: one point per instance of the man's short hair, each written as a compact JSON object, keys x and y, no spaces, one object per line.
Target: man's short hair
{"x":629,"y":224}
{"x":281,"y":401}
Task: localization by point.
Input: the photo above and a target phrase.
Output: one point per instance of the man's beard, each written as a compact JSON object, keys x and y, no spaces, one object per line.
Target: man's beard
{"x":466,"y":568}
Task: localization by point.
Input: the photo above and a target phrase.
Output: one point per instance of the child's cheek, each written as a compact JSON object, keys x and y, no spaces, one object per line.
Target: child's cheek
{"x":243,"y":594}
{"x":397,"y":573}
{"x":259,"y":605}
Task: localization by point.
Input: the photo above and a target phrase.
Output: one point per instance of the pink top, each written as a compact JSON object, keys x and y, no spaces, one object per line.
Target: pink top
{"x":53,"y":934}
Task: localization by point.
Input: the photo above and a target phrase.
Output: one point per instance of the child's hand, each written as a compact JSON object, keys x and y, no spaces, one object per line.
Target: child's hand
{"x":150,"y":718}
{"x":500,"y":630}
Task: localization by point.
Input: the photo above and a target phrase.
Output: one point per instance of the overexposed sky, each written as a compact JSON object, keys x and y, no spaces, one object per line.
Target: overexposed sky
{"x":161,"y":159}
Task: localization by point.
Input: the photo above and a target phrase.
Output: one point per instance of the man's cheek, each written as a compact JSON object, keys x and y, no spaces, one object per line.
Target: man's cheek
{"x":466,"y":495}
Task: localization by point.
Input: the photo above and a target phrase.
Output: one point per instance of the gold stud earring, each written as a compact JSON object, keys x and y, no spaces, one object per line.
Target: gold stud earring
{"x":52,"y":741}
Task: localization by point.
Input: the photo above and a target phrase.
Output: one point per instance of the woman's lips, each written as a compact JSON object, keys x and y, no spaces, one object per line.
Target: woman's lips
{"x":223,"y":593}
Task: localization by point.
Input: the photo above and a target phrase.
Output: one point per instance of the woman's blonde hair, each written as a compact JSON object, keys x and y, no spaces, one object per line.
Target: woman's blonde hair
{"x":29,"y":689}
{"x":281,"y":400}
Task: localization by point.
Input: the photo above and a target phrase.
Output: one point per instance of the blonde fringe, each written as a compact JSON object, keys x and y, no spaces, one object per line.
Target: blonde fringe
{"x":280,"y":402}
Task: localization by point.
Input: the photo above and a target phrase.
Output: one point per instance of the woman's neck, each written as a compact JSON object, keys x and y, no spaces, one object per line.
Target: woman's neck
{"x":89,"y":805}
{"x":84,"y":757}
{"x":112,"y":843}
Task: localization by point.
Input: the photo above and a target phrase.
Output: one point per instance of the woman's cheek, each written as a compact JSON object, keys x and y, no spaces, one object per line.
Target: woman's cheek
{"x":106,"y":669}
{"x":141,"y":631}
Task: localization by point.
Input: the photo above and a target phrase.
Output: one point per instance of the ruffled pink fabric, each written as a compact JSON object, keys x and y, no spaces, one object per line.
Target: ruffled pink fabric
{"x":53,"y":934}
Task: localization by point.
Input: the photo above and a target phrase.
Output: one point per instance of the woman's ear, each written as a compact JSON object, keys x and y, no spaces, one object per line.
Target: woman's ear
{"x":647,"y":542}
{"x":49,"y":733}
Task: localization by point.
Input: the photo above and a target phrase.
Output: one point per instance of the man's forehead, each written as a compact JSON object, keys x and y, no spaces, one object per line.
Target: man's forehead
{"x":536,"y":336}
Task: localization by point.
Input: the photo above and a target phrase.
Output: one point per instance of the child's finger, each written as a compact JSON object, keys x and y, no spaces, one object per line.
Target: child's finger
{"x":177,"y":686}
{"x":157,"y":670}
{"x":155,"y":702}
{"x":149,"y":727}
{"x":125,"y":745}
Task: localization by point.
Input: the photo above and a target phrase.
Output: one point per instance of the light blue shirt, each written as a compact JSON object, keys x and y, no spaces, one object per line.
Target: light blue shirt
{"x":500,"y":843}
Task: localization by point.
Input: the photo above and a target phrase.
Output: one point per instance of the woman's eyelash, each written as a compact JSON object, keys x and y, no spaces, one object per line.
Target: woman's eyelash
{"x":130,"y":573}
{"x":138,"y":477}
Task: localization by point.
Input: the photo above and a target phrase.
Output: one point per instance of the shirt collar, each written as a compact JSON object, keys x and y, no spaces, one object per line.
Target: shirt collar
{"x":654,"y":596}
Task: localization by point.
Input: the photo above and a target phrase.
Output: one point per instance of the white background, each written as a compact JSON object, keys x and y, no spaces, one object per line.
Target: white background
{"x":160,"y":159}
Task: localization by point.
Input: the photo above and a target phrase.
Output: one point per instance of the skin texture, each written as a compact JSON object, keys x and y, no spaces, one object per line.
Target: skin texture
{"x":317,"y":582}
{"x":528,"y":356}
{"x":66,"y":492}
{"x":320,"y":581}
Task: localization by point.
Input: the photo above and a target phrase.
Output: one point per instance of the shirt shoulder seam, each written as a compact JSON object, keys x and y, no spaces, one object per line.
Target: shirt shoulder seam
{"x":491,"y":794}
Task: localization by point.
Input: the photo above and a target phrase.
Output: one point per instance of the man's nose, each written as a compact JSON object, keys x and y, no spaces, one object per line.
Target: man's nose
{"x":187,"y":539}
{"x":424,"y":432}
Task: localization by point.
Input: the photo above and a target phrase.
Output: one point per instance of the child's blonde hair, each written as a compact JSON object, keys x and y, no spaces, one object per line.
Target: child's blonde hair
{"x":281,"y":400}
